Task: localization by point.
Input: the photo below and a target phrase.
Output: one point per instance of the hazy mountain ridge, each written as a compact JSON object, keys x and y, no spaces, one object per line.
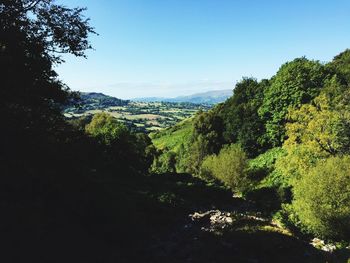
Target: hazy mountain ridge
{"x":209,"y":97}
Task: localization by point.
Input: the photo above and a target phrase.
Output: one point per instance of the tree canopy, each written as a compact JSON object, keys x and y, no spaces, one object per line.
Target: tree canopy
{"x":34,"y":34}
{"x":240,"y":114}
{"x":296,"y":83}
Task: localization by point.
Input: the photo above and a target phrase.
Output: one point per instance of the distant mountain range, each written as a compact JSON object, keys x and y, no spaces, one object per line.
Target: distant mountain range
{"x":209,"y":97}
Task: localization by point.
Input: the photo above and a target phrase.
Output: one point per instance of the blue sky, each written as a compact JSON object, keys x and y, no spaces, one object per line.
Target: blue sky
{"x":178,"y":47}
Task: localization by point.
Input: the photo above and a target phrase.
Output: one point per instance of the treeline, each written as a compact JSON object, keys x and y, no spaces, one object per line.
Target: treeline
{"x":85,"y":101}
{"x":286,"y":138}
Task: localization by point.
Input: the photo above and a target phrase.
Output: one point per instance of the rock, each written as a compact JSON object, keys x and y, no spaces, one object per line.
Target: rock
{"x":320,"y":244}
{"x":229,"y":220}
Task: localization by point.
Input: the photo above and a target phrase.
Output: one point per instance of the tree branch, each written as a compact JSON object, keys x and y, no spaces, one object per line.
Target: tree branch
{"x":31,"y":5}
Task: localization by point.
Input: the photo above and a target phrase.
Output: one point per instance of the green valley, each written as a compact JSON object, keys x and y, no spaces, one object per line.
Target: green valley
{"x":139,"y":116}
{"x":258,"y":175}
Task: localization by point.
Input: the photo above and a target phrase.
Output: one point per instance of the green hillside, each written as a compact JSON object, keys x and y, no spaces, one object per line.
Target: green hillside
{"x":173,"y":137}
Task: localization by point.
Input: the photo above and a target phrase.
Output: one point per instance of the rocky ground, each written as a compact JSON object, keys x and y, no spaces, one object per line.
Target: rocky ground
{"x":230,"y":236}
{"x":190,"y":221}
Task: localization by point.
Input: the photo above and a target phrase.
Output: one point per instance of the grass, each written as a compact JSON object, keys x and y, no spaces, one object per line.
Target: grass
{"x":173,"y":137}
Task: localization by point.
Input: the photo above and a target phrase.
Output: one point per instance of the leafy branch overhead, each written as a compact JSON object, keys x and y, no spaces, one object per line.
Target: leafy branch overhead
{"x":58,"y":29}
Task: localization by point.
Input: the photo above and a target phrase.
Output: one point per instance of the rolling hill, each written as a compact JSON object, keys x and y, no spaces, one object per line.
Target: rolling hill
{"x":94,"y":101}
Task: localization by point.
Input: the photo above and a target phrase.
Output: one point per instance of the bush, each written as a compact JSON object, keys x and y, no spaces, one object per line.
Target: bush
{"x":263,"y":167}
{"x":122,"y":146}
{"x":288,"y":218}
{"x":229,"y":167}
{"x":164,"y":163}
{"x":322,"y":198}
{"x":106,"y":128}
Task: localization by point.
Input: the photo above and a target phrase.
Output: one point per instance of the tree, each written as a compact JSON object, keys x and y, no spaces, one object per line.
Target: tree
{"x":316,"y":131}
{"x":206,"y":139}
{"x":182,"y":158}
{"x":44,"y":161}
{"x":243,"y":125}
{"x":322,"y":198}
{"x":229,"y":167}
{"x":341,"y":65}
{"x":33,"y":35}
{"x":123,"y":147}
{"x":107,"y":129}
{"x":164,"y":163}
{"x":145,"y":151}
{"x":209,"y":126}
{"x":198,"y":150}
{"x":295,"y":83}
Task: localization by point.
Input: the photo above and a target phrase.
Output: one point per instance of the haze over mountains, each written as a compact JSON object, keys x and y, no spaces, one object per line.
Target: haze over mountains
{"x":209,"y":97}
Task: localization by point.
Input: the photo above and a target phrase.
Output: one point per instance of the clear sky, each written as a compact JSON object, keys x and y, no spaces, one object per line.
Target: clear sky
{"x":179,"y":47}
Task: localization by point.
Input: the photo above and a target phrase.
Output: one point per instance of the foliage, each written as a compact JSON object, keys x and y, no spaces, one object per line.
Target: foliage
{"x":33,"y":34}
{"x":92,"y":101}
{"x":240,"y":114}
{"x":229,"y":167}
{"x":183,"y":157}
{"x":288,"y":218}
{"x":271,"y":187}
{"x":173,"y":137}
{"x":209,"y":127}
{"x":64,"y":181}
{"x":192,"y":140}
{"x":295,"y":83}
{"x":80,"y":123}
{"x":265,"y":161}
{"x":324,"y":128}
{"x":121,"y":144}
{"x":164,"y":163}
{"x":173,"y":144}
{"x":317,"y":131}
{"x":198,"y":150}
{"x":106,"y":128}
{"x":322,"y":198}
{"x":205,"y":138}
{"x":341,"y":65}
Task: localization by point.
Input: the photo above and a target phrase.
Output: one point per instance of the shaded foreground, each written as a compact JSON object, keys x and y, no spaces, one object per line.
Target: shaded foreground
{"x":163,"y":218}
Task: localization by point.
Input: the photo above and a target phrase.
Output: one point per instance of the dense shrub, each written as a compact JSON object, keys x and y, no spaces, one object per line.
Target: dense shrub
{"x":322,"y":198}
{"x":164,"y":163}
{"x":106,"y":128}
{"x":121,"y":145}
{"x":229,"y":167}
{"x":263,"y":166}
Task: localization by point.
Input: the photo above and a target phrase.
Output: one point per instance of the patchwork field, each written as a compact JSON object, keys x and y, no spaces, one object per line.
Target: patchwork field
{"x":143,"y":116}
